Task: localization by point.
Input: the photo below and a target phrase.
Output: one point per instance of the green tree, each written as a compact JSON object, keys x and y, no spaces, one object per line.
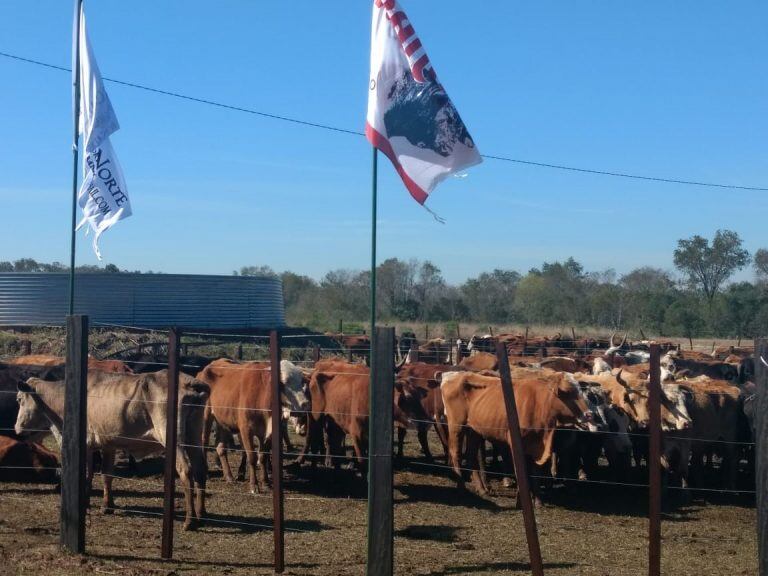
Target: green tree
{"x":741,"y":302}
{"x":707,"y":267}
{"x":255,"y":271}
{"x":683,"y":317}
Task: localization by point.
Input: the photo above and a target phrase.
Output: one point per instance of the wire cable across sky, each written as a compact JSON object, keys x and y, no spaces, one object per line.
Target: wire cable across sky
{"x":359,"y":133}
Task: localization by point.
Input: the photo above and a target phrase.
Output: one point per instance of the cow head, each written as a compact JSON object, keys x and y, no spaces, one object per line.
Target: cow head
{"x":618,"y":426}
{"x":600,"y":366}
{"x":577,"y":410}
{"x":674,"y":411}
{"x":31,"y":418}
{"x":596,"y":402}
{"x":613,"y":348}
{"x":408,"y":401}
{"x":294,"y":392}
{"x":634,"y":403}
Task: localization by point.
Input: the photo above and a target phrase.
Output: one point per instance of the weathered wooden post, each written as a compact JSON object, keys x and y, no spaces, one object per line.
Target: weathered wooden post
{"x":277,"y":453}
{"x":518,"y":457}
{"x":316,"y":354}
{"x":654,"y":464}
{"x":26,"y":347}
{"x":171,"y":419}
{"x":74,"y":498}
{"x":380,"y":503}
{"x":761,"y":452}
{"x":239,"y":351}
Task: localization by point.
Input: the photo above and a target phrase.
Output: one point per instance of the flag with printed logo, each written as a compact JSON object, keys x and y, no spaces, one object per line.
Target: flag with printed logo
{"x":410,"y":117}
{"x":103,"y":195}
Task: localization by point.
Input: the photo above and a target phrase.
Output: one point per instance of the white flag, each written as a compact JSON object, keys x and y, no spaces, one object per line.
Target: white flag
{"x":410,"y":117}
{"x":103,"y":195}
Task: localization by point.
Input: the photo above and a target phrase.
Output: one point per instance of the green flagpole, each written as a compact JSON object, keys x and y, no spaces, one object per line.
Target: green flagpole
{"x":75,"y":148}
{"x":371,"y":395}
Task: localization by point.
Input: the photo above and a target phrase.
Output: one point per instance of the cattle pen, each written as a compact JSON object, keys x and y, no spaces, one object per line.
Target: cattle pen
{"x":314,"y":521}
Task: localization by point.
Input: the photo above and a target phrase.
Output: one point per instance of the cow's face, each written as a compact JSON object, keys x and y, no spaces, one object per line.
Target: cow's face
{"x":408,"y":400}
{"x":618,"y":426}
{"x":31,"y":419}
{"x":636,"y":406}
{"x":600,"y":366}
{"x":596,"y":402}
{"x":295,"y":388}
{"x":674,"y":412}
{"x":569,"y":393}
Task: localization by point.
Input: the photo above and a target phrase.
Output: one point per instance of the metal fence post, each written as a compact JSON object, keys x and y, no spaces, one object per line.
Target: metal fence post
{"x":518,"y":457}
{"x":74,"y":498}
{"x":761,"y":452}
{"x":172,"y":405}
{"x":277,"y":453}
{"x":654,"y":464}
{"x":380,"y":503}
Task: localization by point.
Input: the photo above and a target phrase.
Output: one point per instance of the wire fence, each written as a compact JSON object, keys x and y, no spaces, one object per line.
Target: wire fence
{"x":260,"y":370}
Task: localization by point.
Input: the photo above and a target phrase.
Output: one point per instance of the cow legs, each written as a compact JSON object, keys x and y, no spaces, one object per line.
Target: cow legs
{"x":247,"y":440}
{"x":401,"y":432}
{"x":183,"y":467}
{"x":107,"y":470}
{"x":454,"y":453}
{"x":421,"y":431}
{"x":442,"y":433}
{"x":475,"y":459}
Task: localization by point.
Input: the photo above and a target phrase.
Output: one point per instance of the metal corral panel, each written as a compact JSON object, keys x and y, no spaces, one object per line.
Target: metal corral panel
{"x":144,"y":300}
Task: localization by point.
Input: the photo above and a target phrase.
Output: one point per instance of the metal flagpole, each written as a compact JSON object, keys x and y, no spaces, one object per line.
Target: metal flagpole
{"x":371,"y":395}
{"x":75,"y":148}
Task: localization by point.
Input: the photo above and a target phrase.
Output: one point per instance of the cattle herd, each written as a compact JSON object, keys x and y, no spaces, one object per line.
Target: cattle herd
{"x":582,"y":405}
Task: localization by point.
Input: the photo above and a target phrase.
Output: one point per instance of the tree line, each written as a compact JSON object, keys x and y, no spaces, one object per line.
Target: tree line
{"x":696,"y":299}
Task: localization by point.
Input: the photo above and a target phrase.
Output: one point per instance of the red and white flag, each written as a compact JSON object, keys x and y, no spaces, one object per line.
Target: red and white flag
{"x":410,"y":118}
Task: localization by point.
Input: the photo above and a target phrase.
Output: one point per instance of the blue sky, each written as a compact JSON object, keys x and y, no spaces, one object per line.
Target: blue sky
{"x":670,"y":89}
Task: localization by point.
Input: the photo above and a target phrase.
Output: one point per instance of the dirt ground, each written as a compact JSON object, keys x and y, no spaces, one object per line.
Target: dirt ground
{"x":591,"y":530}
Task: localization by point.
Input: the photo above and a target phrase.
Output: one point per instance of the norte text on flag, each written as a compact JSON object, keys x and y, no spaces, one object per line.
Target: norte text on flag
{"x":103,"y":196}
{"x":410,"y":117}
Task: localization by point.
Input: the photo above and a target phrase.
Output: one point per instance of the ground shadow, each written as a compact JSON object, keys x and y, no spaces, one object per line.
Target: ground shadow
{"x":180,"y":561}
{"x":446,"y":495}
{"x":245,"y":524}
{"x":497,"y":566}
{"x":433,"y":533}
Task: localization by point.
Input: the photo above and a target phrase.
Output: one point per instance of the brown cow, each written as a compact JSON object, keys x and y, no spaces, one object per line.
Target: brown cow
{"x":421,"y":381}
{"x":26,"y":462}
{"x":241,"y":402}
{"x":339,"y":399}
{"x":480,"y":361}
{"x":475,"y":402}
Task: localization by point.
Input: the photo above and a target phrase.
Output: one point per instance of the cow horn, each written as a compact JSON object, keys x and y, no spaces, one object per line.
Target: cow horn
{"x":611,"y":340}
{"x":401,"y":363}
{"x":625,"y":339}
{"x":763,"y":361}
{"x":621,"y":380}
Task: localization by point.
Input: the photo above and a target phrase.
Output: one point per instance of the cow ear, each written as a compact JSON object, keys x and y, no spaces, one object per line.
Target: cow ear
{"x":25,"y":387}
{"x":399,"y":385}
{"x":433,"y":382}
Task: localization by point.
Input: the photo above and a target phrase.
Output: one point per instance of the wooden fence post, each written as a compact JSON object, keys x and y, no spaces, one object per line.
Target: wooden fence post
{"x":277,"y":453}
{"x":74,"y":498}
{"x":171,"y":418}
{"x":380,"y":503}
{"x":239,"y":352}
{"x":26,"y":347}
{"x":654,"y":464}
{"x":316,"y":354}
{"x":761,"y":452}
{"x":518,"y":457}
